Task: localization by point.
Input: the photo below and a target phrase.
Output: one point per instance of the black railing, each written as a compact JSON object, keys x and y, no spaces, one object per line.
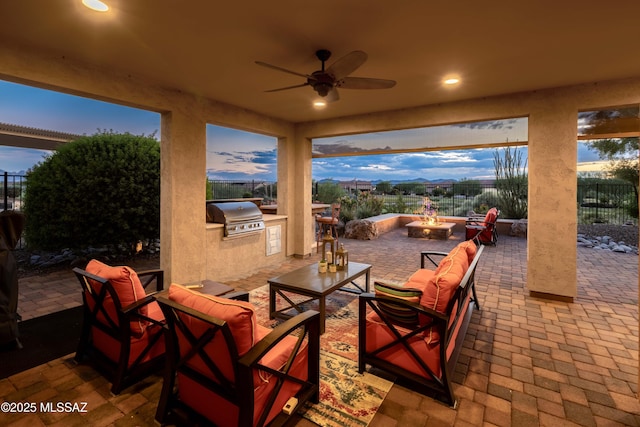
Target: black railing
{"x":12,"y":191}
{"x":226,"y":189}
{"x":612,"y":203}
{"x":597,"y":202}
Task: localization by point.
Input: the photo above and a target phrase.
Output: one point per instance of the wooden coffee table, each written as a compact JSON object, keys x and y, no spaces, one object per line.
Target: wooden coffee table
{"x":308,"y":282}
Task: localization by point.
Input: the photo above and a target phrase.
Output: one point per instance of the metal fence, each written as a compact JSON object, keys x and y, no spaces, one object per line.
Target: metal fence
{"x":221,"y":189}
{"x":597,"y":202}
{"x":12,"y":191}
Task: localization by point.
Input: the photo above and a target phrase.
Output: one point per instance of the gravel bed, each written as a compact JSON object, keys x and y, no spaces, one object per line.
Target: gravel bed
{"x":620,"y":233}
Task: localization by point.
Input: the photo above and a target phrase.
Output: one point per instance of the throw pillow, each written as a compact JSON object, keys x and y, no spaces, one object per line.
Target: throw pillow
{"x":443,"y":285}
{"x":399,"y":314}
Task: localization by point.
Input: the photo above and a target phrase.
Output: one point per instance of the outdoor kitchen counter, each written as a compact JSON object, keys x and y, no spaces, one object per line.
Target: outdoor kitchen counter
{"x":232,"y":258}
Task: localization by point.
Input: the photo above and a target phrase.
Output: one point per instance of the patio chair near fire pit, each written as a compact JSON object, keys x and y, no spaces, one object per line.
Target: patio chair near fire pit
{"x":483,"y":231}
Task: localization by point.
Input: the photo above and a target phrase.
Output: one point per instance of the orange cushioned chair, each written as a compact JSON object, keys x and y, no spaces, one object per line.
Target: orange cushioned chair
{"x":122,"y":330}
{"x":225,"y":369}
{"x":483,"y":231}
{"x":415,"y":330}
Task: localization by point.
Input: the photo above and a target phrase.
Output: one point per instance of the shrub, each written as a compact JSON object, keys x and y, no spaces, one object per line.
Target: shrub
{"x":398,"y":205}
{"x":347,"y":208}
{"x":100,"y":190}
{"x":368,"y":205}
{"x":364,"y":206}
{"x":329,"y":192}
{"x":486,"y":200}
{"x":438,"y":191}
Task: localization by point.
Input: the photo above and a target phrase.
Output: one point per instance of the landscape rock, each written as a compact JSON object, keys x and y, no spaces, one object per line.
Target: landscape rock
{"x":361,"y":229}
{"x":519,"y":228}
{"x":609,"y":237}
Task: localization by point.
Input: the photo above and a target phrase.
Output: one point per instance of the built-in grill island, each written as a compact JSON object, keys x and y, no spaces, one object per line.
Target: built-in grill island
{"x":239,"y":218}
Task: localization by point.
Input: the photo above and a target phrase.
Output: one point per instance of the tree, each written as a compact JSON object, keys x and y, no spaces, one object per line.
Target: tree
{"x":511,"y":183}
{"x":329,"y":192}
{"x":410,"y":187}
{"x":100,"y":190}
{"x":467,"y":187}
{"x":384,"y":187}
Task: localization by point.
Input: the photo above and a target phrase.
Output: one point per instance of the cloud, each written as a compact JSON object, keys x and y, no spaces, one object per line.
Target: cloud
{"x":458,"y":164}
{"x":375,"y":168}
{"x":495,"y":132}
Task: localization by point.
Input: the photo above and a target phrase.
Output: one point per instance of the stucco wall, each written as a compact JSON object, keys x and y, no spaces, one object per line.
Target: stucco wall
{"x":230,"y":258}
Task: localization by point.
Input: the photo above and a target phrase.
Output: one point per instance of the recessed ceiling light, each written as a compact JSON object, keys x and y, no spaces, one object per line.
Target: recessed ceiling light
{"x":96,"y":5}
{"x":320,"y":103}
{"x":451,"y":81}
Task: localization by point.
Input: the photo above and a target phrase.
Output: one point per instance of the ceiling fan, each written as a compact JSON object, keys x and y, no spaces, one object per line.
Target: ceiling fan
{"x":327,"y":81}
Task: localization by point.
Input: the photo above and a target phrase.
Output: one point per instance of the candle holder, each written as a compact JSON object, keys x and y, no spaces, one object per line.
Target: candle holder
{"x":342,"y":257}
{"x":328,"y":247}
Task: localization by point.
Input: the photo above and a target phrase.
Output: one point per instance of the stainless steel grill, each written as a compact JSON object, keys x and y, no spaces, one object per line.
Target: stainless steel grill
{"x":239,"y":218}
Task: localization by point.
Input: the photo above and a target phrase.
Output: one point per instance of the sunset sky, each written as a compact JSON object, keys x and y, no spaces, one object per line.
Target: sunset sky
{"x":238,"y":155}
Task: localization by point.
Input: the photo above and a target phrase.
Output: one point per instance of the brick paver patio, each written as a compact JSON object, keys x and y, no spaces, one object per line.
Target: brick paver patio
{"x":526,"y":361}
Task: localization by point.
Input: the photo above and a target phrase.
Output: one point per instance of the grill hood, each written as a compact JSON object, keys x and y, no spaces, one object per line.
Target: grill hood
{"x":239,"y":218}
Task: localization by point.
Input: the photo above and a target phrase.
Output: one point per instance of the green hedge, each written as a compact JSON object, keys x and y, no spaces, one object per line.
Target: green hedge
{"x":100,"y":190}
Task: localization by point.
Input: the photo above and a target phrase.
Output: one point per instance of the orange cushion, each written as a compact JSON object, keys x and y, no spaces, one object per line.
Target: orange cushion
{"x":441,"y":287}
{"x":240,"y":315}
{"x":471,"y":250}
{"x":420,"y":279}
{"x":127,"y":285}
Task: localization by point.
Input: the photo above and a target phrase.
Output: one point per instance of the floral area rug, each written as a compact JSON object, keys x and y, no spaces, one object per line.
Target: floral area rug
{"x":347,"y":398}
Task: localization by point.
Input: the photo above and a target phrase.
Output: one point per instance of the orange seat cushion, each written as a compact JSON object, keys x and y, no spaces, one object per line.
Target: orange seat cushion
{"x":241,"y":318}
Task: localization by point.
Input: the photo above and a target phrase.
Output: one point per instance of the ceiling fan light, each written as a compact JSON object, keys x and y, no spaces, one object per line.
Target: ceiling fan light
{"x":320,"y":103}
{"x":96,"y":5}
{"x":451,"y":81}
{"x":323,"y":89}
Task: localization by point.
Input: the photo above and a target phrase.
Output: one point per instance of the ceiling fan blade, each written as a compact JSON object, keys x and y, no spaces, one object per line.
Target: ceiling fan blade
{"x":288,"y":87}
{"x":365,"y":83}
{"x":347,"y":64}
{"x":333,"y":95}
{"x":275,"y":67}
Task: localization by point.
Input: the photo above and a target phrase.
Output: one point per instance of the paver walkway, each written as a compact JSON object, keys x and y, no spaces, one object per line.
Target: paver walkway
{"x":526,"y":361}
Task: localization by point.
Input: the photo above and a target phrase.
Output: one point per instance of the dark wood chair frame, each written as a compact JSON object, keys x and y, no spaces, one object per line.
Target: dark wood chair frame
{"x":120,"y":374}
{"x":172,"y":410}
{"x":480,"y":222}
{"x":439,"y":387}
{"x":328,"y":223}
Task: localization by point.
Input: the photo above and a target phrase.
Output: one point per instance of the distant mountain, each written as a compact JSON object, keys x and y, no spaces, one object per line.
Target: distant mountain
{"x":404,"y":181}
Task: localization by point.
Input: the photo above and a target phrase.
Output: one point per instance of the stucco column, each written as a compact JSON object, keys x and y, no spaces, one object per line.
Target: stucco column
{"x":294,"y":193}
{"x":551,"y":244}
{"x":305,"y":226}
{"x":182,"y":197}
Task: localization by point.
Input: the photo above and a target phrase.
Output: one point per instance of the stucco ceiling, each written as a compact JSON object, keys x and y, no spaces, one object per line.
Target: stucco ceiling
{"x":210,"y":47}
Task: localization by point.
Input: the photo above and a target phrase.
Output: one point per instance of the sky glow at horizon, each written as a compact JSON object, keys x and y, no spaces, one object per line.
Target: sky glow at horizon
{"x":231,"y":154}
